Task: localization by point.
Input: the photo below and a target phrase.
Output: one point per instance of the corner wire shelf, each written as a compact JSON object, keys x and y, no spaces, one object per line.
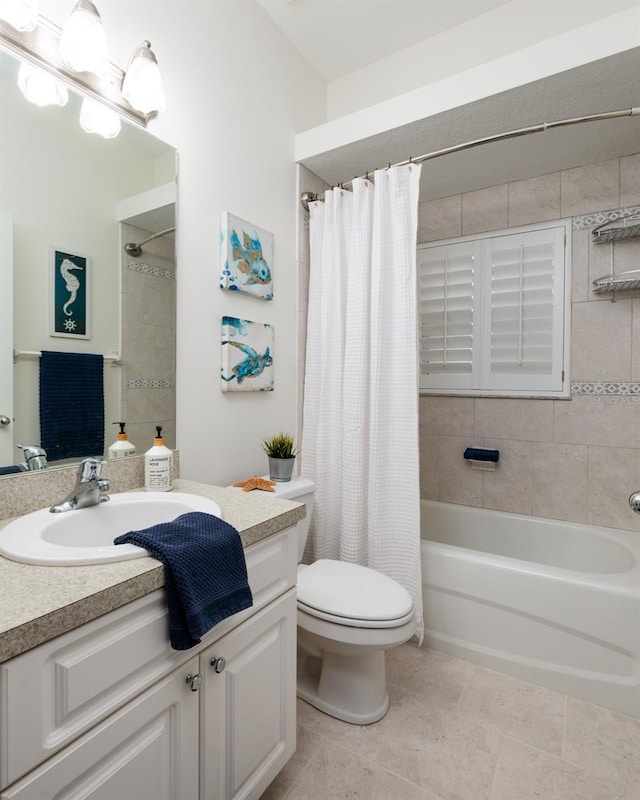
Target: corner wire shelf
{"x":617,"y":282}
{"x":610,"y":232}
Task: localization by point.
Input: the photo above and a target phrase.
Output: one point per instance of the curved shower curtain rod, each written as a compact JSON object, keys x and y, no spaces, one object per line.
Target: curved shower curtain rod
{"x":133,"y":249}
{"x":310,"y":197}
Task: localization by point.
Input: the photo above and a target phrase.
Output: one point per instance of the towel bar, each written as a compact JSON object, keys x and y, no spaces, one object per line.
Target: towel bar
{"x":113,"y":360}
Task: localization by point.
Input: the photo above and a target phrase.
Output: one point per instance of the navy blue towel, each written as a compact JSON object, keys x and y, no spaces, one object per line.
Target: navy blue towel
{"x":205,"y":572}
{"x":14,"y":469}
{"x":71,"y":404}
{"x":481,"y":454}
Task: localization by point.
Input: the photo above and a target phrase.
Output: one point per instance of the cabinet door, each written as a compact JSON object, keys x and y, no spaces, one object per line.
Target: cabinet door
{"x":148,"y":751}
{"x":248,"y":726}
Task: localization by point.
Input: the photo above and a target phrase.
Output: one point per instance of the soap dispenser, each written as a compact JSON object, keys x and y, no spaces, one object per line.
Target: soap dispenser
{"x":122,"y":447}
{"x":158,"y":465}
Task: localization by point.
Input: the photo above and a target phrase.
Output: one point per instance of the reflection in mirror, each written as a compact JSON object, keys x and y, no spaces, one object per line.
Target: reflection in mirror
{"x":67,"y":190}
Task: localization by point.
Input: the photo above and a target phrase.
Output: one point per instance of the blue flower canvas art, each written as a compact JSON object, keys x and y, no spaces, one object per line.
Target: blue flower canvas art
{"x":246,"y":257}
{"x":247,"y":356}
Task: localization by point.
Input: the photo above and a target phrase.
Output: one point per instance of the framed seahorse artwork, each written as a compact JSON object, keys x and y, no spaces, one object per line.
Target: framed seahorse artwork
{"x":246,"y":257}
{"x":69,"y":293}
{"x":247,"y":356}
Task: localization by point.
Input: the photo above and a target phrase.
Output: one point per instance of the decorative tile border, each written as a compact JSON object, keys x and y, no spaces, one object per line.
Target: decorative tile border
{"x":151,"y":383}
{"x":605,"y":387}
{"x":600,"y":217}
{"x":150,"y":269}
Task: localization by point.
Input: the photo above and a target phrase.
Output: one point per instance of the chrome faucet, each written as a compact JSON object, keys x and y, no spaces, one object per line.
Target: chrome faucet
{"x":90,"y":488}
{"x":35,"y":457}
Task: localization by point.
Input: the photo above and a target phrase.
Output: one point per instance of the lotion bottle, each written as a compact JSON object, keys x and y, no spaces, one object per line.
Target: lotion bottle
{"x":158,"y":466}
{"x":122,"y":447}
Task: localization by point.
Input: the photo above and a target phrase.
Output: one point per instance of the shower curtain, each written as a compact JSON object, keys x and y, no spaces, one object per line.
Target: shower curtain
{"x":360,"y":432}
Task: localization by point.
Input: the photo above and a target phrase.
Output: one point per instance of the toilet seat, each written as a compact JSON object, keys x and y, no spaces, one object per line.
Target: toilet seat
{"x":355,"y":623}
{"x":352,"y":595}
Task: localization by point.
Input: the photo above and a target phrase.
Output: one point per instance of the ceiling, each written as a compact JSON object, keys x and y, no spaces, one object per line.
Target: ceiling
{"x":336,"y":37}
{"x":339,"y":36}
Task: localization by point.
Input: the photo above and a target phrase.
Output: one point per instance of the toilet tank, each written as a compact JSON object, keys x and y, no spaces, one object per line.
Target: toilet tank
{"x":300,"y":490}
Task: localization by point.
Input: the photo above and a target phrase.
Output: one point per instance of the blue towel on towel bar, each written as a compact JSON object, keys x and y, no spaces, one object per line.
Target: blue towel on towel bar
{"x":71,"y":404}
{"x":205,"y":572}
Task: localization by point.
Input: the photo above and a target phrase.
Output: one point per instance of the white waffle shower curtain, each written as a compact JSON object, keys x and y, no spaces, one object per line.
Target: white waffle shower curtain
{"x":360,"y":434}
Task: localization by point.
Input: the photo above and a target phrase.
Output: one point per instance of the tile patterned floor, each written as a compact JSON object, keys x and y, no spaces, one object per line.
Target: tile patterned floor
{"x":458,"y":731}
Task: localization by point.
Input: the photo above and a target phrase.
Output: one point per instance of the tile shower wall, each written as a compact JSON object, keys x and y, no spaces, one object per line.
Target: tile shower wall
{"x":576,"y":459}
{"x":148,"y":339}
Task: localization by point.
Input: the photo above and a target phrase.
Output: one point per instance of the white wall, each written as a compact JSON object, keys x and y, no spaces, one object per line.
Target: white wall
{"x":237,"y":92}
{"x":507,"y":29}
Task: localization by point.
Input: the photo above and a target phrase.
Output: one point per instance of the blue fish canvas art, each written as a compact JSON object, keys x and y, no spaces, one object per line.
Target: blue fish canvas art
{"x":246,"y":257}
{"x":247,"y":356}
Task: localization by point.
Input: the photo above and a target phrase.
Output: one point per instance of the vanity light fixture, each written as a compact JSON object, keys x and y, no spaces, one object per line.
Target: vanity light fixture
{"x":21,"y":14}
{"x":142,"y":85}
{"x":41,"y":88}
{"x":83,"y":43}
{"x":97,"y":118}
{"x":42,"y":48}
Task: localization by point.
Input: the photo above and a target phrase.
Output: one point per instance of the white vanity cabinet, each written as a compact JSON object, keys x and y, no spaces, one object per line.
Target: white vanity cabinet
{"x":248,"y":722}
{"x":110,"y":711}
{"x":148,"y":751}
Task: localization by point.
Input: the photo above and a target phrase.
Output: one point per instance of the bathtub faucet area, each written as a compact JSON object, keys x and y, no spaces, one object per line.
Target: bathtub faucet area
{"x":634,"y":502}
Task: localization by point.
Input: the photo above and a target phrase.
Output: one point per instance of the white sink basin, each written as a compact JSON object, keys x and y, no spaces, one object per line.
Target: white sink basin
{"x":85,"y":536}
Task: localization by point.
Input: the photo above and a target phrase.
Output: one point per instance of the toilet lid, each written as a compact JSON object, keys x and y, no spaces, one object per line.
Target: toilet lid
{"x":351,"y":591}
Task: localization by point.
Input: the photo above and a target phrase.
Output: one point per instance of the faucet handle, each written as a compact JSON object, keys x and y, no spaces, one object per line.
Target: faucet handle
{"x":89,"y":469}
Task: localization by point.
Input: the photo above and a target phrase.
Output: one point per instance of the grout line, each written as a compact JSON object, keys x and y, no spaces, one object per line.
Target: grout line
{"x":432,"y":795}
{"x":305,"y":768}
{"x":495,"y":769}
{"x":563,"y":745}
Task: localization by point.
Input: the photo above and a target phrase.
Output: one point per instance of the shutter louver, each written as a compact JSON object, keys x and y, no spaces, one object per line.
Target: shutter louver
{"x":446,"y":310}
{"x":522,"y":309}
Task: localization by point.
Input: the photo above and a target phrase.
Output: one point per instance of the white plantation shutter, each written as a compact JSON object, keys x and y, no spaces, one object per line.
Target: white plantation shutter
{"x":448,"y":314}
{"x":492,"y":313}
{"x":524,"y":309}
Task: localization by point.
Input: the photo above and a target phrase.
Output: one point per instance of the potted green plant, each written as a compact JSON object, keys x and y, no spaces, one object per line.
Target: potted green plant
{"x":282,"y":452}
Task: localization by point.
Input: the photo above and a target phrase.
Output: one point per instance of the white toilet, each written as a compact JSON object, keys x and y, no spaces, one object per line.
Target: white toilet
{"x":348,"y":616}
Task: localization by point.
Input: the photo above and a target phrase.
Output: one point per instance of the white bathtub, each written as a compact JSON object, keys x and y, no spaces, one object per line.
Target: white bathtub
{"x":555,"y":603}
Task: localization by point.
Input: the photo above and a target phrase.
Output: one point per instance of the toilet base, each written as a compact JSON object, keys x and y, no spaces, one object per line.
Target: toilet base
{"x":350,"y":688}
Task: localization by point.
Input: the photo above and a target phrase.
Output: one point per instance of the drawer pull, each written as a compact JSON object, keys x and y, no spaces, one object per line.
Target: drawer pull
{"x":194,"y":681}
{"x":218,"y":664}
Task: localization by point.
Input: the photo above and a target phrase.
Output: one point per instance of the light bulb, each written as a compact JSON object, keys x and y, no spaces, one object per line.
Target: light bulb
{"x":41,"y":88}
{"x":21,"y":14}
{"x":142,"y":85}
{"x":96,"y":118}
{"x":83,"y":44}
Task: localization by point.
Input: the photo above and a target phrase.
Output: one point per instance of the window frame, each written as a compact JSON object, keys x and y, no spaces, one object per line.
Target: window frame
{"x":480,"y":382}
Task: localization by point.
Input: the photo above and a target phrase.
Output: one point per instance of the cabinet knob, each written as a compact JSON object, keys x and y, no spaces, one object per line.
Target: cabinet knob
{"x":194,"y":681}
{"x":218,"y":664}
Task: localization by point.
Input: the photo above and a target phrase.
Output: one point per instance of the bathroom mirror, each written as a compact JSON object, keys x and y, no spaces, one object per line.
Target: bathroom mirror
{"x":66,"y":190}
